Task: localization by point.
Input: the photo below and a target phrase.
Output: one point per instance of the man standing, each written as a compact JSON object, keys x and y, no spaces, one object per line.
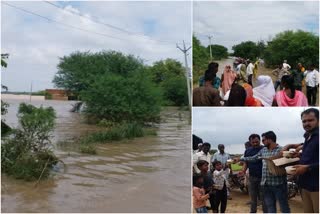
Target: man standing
{"x":308,"y":169}
{"x":312,"y":82}
{"x":285,"y":65}
{"x":206,"y":95}
{"x":250,"y":68}
{"x":274,"y":188}
{"x":255,"y":171}
{"x":279,"y":73}
{"x":202,"y":155}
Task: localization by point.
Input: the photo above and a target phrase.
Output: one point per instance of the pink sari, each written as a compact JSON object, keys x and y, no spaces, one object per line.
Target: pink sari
{"x":298,"y":100}
{"x":228,"y":78}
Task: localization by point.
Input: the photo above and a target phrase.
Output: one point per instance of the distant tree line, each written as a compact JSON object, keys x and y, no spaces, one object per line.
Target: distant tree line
{"x":294,"y":46}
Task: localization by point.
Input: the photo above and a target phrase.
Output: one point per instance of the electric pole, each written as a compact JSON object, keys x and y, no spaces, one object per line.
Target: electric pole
{"x":185,"y":50}
{"x":210,"y":46}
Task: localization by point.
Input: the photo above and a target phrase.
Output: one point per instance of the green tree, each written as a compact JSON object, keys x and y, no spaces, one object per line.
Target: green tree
{"x":123,"y":98}
{"x":246,"y":49}
{"x":218,"y":52}
{"x":77,"y":71}
{"x":294,"y":46}
{"x":113,"y":86}
{"x":200,"y":58}
{"x":169,"y":74}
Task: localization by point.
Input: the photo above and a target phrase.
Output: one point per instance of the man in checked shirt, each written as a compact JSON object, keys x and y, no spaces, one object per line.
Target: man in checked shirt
{"x":274,"y":188}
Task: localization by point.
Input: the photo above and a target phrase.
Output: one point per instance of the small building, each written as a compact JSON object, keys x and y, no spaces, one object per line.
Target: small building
{"x":58,"y":94}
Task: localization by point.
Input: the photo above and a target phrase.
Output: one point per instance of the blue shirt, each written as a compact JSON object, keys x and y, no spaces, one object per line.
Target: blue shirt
{"x":255,"y":168}
{"x":216,"y":82}
{"x":310,"y":156}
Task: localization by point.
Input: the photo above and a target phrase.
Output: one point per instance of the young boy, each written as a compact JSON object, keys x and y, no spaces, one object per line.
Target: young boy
{"x":221,"y":183}
{"x":199,"y":196}
{"x":207,"y":180}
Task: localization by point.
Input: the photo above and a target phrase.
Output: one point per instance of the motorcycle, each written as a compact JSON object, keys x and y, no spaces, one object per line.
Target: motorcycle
{"x":237,"y":180}
{"x":293,"y":188}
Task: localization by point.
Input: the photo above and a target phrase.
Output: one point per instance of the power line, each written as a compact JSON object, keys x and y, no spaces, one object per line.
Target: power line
{"x":63,"y":24}
{"x":66,"y":25}
{"x":106,"y":24}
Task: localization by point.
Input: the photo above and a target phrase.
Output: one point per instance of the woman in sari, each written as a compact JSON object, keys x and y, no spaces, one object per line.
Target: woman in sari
{"x":228,"y":77}
{"x":289,"y":96}
{"x":250,"y":100}
{"x":265,"y":90}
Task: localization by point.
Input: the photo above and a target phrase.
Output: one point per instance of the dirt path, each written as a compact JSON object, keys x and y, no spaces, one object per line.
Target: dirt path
{"x":238,"y":204}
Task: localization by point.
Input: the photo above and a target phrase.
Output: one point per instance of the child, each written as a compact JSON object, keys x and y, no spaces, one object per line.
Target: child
{"x":207,"y":180}
{"x":221,"y":183}
{"x":199,"y":197}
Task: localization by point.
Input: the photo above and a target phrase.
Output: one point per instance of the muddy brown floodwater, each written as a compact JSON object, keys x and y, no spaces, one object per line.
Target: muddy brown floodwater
{"x":149,"y":174}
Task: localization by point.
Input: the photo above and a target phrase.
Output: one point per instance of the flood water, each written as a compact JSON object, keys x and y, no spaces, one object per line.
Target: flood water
{"x":149,"y":174}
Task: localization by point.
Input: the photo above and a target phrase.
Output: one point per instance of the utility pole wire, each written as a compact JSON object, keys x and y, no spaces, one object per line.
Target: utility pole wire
{"x":108,"y":25}
{"x":65,"y":25}
{"x":185,"y":50}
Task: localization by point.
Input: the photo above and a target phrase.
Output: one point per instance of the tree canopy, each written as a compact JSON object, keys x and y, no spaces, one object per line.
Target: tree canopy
{"x":294,"y":46}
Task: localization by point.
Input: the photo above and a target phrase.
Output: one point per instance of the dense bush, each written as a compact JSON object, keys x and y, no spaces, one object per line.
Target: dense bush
{"x":26,"y":153}
{"x":117,"y":98}
{"x":295,"y":47}
{"x":169,"y":75}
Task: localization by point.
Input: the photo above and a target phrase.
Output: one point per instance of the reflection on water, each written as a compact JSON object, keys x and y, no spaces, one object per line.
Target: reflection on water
{"x":150,"y":174}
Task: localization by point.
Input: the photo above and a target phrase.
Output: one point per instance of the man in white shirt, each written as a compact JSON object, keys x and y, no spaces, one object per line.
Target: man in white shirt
{"x":250,"y":72}
{"x":312,"y":83}
{"x":286,"y":66}
{"x":202,"y":155}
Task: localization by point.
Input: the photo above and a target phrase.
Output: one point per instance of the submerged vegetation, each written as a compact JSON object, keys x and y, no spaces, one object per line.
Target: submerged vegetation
{"x":26,"y":153}
{"x":115,"y":133}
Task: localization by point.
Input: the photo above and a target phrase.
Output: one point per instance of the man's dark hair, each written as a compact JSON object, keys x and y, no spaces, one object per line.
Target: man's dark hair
{"x":215,"y":163}
{"x":254,"y":136}
{"x":311,"y":110}
{"x":209,"y":75}
{"x":206,"y":144}
{"x":195,"y":179}
{"x":270,"y":135}
{"x":213,"y":66}
{"x":200,"y":163}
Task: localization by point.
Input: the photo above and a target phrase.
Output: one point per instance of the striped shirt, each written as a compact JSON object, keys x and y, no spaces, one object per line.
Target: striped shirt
{"x":267,"y":178}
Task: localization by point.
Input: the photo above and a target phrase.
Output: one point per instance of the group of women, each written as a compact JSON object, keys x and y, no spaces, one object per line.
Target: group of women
{"x":236,"y":90}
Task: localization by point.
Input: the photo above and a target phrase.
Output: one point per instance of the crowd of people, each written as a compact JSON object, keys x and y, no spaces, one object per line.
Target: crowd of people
{"x":242,"y":86}
{"x":210,"y":173}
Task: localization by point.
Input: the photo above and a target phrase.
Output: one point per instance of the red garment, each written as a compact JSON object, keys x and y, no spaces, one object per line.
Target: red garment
{"x":250,"y":100}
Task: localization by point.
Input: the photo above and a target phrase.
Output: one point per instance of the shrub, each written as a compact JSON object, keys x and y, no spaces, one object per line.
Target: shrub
{"x":26,"y":153}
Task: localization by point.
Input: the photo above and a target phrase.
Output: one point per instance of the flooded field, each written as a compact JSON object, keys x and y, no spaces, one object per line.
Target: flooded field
{"x":149,"y":174}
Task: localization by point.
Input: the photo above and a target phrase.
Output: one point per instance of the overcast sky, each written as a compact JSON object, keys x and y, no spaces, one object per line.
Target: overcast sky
{"x":35,"y":44}
{"x":231,"y":23}
{"x":232,"y":126}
